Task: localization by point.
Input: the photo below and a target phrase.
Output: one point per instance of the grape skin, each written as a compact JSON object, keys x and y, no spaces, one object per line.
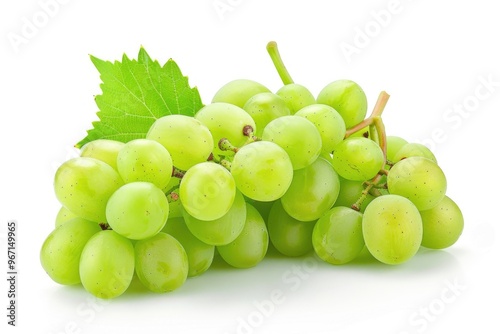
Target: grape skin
{"x":392,"y":229}
{"x":107,"y":264}
{"x":262,"y":171}
{"x":418,"y":179}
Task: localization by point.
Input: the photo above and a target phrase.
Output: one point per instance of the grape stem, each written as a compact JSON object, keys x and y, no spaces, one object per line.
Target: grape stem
{"x":370,"y":185}
{"x":272,"y":49}
{"x":177,"y":173}
{"x":173,"y":196}
{"x":225,"y":145}
{"x":374,"y":121}
{"x":226,"y":164}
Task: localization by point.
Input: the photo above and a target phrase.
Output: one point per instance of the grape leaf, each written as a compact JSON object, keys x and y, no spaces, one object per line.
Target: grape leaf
{"x":137,"y":92}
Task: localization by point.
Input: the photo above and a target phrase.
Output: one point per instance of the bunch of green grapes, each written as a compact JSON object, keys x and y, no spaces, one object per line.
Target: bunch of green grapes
{"x":251,"y":170}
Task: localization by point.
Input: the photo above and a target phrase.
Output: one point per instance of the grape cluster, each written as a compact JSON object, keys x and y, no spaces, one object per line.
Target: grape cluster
{"x":250,"y":169}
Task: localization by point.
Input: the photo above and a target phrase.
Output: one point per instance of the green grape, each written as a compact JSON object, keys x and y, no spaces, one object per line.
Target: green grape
{"x":288,"y":235}
{"x":297,"y":136}
{"x":262,"y":171}
{"x":137,"y":210}
{"x":225,"y":120}
{"x":265,"y":107}
{"x":223,"y":230}
{"x":338,"y":236}
{"x":145,"y":160}
{"x":358,"y":159}
{"x":443,"y":224}
{"x":83,"y":185}
{"x":161,"y":263}
{"x":238,"y":92}
{"x":420,"y":180}
{"x":207,"y":191}
{"x":61,"y":250}
{"x":107,"y":264}
{"x":186,"y":139}
{"x":175,"y":208}
{"x":172,"y":185}
{"x":329,"y":123}
{"x":313,"y":191}
{"x":250,"y":247}
{"x":263,"y":207}
{"x":105,"y":150}
{"x":414,"y":150}
{"x":392,"y":229}
{"x":200,"y":255}
{"x":296,"y":96}
{"x":350,"y":192}
{"x":348,"y":98}
{"x":394,"y":144}
{"x":63,"y":216}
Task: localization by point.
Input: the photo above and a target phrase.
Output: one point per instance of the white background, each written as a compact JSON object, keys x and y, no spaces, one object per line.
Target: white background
{"x":433,"y":58}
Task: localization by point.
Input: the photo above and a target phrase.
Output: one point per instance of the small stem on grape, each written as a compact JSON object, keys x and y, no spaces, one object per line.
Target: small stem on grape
{"x":248,"y":131}
{"x":104,"y":226}
{"x":177,"y":173}
{"x":225,"y":145}
{"x":384,"y":172}
{"x":173,"y":196}
{"x":272,"y":49}
{"x":226,"y":164}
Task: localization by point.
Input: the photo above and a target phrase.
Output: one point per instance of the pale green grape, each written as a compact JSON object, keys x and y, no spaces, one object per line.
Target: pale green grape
{"x":348,"y":98}
{"x":350,"y":192}
{"x":105,"y":150}
{"x":364,"y":132}
{"x":137,"y":210}
{"x":420,"y":180}
{"x":223,"y":230}
{"x":186,"y":139}
{"x":329,"y":123}
{"x":83,"y":185}
{"x":200,"y":255}
{"x":394,"y":144}
{"x":263,"y":207}
{"x":262,"y":171}
{"x":107,"y":264}
{"x":297,"y":136}
{"x":414,"y":150}
{"x":161,"y":263}
{"x":392,"y":229}
{"x":238,"y":92}
{"x":296,"y":96}
{"x":288,"y":235}
{"x":338,"y":236}
{"x":145,"y":160}
{"x":265,"y":107}
{"x":207,"y":191}
{"x":175,"y":208}
{"x":358,"y":159}
{"x":63,"y":216}
{"x":61,"y":250}
{"x":313,"y":191}
{"x":443,"y":224}
{"x":225,"y":120}
{"x":250,"y":247}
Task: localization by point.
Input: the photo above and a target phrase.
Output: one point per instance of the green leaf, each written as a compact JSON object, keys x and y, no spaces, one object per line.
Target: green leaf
{"x":135,"y":93}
